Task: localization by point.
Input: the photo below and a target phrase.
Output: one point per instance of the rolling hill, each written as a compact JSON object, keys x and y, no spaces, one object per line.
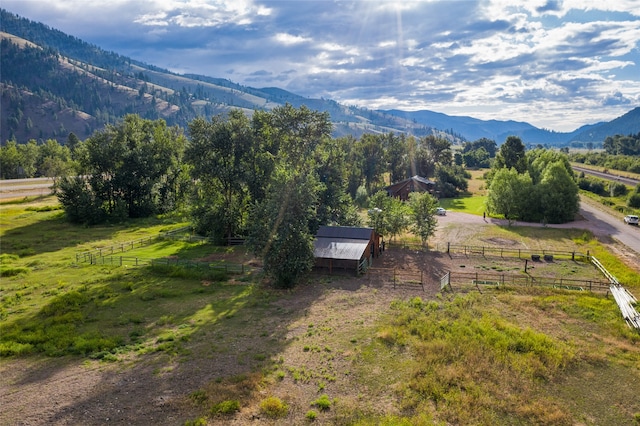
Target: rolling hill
{"x":54,"y":84}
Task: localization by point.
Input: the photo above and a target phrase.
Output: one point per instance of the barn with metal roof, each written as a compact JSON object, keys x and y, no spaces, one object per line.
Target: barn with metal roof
{"x":345,"y":247}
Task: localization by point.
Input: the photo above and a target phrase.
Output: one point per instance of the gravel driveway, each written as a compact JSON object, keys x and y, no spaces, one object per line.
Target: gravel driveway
{"x":607,"y":227}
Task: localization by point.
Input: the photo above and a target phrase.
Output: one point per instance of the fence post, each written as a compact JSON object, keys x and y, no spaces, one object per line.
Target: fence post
{"x":448,"y":247}
{"x":120,"y":260}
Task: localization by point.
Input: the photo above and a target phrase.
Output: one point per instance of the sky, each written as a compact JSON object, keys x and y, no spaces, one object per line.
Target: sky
{"x":557,"y":64}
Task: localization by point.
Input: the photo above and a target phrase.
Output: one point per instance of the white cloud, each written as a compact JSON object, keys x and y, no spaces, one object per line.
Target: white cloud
{"x":290,"y":39}
{"x":558,"y":64}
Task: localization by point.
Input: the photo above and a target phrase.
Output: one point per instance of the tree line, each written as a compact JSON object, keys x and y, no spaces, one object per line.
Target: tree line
{"x":625,"y":163}
{"x":272,"y":178}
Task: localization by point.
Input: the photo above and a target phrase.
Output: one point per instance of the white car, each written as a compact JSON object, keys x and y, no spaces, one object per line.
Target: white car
{"x":442,"y":212}
{"x":631,"y":219}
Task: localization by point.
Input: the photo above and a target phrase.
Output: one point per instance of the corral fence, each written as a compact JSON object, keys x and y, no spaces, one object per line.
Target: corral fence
{"x":398,"y":277}
{"x":496,"y":280}
{"x":513,"y":252}
{"x":490,"y":251}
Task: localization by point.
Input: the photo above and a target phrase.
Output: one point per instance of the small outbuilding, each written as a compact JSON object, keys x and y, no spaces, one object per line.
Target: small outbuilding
{"x":416,"y":183}
{"x":345,"y":247}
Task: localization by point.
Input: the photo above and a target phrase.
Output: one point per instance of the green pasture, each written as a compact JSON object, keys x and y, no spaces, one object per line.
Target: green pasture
{"x":509,"y":356}
{"x":467,"y":204}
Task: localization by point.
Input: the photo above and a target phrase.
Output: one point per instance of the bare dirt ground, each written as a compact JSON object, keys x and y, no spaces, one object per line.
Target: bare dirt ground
{"x":154,"y":389}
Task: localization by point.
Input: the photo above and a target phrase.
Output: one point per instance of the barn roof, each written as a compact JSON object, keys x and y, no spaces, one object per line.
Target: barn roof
{"x":418,"y":181}
{"x":342,"y":248}
{"x":341,"y":242}
{"x":344,"y":232}
{"x":413,"y":184}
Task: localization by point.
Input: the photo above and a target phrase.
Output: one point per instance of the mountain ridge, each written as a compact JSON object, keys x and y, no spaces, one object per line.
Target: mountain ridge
{"x":54,"y":83}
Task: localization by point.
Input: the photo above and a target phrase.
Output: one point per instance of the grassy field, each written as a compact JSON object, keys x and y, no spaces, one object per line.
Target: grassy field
{"x":333,"y":351}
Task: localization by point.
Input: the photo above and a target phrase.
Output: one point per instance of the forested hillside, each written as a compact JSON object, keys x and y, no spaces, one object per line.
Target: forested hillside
{"x":54,"y":84}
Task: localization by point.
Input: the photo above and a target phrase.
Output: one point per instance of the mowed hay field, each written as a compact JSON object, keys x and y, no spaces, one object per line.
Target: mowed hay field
{"x":167,"y":344}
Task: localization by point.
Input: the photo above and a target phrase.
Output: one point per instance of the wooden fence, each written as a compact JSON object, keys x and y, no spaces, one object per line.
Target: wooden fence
{"x":490,"y":251}
{"x":479,"y":279}
{"x":398,"y":277}
{"x":456,"y":280}
{"x":232,"y":268}
{"x":176,"y":234}
{"x":109,"y":255}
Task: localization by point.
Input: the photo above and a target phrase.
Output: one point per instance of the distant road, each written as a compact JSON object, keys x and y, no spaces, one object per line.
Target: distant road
{"x":607,"y":176}
{"x":605,"y":224}
{"x":20,"y":188}
{"x":597,"y":220}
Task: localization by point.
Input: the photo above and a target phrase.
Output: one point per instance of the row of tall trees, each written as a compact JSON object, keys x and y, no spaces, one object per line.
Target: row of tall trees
{"x":622,"y":145}
{"x":29,"y":160}
{"x":534,"y":186}
{"x":626,"y":163}
{"x":130,"y":170}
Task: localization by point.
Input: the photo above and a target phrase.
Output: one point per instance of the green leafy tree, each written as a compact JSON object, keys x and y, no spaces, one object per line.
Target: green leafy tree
{"x":79,"y":202}
{"x":538,"y":160}
{"x":398,"y":218}
{"x":284,"y":221}
{"x":479,"y":158}
{"x":451,"y":180}
{"x":372,"y":161}
{"x":422,"y":208}
{"x":279,"y":229}
{"x":29,"y":158}
{"x":432,"y":151}
{"x":53,"y":159}
{"x":558,"y":195}
{"x":10,"y":160}
{"x":335,"y":206}
{"x":132,"y":168}
{"x":512,"y":154}
{"x":354,"y":158}
{"x":380,"y":209}
{"x":633,"y":200}
{"x":395,"y":149}
{"x":508,"y":193}
{"x":219,"y":152}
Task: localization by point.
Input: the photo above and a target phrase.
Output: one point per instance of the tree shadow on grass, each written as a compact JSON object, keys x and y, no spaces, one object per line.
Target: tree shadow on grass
{"x":56,"y":233}
{"x":174,"y":335}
